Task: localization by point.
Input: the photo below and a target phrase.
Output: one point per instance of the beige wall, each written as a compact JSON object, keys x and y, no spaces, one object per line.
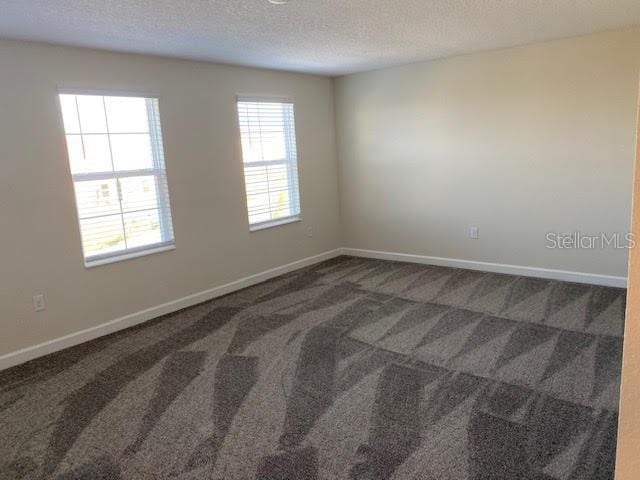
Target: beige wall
{"x":41,"y":250}
{"x":519,"y":142}
{"x":628,"y":452}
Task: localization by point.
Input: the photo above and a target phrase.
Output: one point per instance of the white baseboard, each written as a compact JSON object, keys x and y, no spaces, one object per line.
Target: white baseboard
{"x":568,"y":276}
{"x":51,"y":346}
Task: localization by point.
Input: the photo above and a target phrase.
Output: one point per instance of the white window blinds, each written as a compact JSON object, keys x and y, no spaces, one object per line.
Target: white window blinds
{"x":268,"y":137}
{"x":117,"y":164}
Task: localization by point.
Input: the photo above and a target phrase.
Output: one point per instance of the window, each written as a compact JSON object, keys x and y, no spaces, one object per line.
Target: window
{"x":268,"y":137}
{"x":117,"y":164}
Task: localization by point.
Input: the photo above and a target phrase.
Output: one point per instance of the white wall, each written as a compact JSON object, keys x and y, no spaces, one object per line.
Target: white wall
{"x":41,"y":249}
{"x":519,"y":142}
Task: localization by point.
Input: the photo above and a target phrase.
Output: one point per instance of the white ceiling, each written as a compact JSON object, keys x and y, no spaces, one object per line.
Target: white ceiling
{"x":330,"y":37}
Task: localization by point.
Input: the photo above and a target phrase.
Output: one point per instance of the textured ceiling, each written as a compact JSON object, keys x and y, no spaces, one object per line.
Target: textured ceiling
{"x":329,"y":37}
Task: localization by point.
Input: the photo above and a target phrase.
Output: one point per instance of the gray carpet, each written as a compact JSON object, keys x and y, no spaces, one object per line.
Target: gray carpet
{"x":352,"y":368}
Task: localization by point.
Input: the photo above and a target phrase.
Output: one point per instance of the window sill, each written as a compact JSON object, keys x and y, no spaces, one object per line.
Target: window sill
{"x":128,"y":256}
{"x":274,"y":223}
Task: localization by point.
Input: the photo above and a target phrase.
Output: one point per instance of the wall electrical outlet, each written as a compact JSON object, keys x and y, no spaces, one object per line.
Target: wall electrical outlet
{"x":473,"y":232}
{"x":309,"y":232}
{"x":39,"y":302}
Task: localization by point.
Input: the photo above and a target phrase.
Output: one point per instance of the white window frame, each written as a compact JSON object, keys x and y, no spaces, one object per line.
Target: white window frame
{"x":158,"y":169}
{"x":291,"y":164}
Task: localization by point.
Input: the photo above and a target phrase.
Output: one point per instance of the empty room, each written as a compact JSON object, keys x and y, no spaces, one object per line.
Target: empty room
{"x":303,"y":239}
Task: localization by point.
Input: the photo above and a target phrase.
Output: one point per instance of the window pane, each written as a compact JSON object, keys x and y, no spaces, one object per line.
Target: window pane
{"x":102,"y":235}
{"x":138,"y":193}
{"x":262,"y":142}
{"x":256,"y":180}
{"x":97,"y":197}
{"x":131,"y":151}
{"x":89,"y":153}
{"x":278,"y":179}
{"x":251,"y":149}
{"x":69,"y":114}
{"x":280,"y":204}
{"x":279,"y":191}
{"x":92,"y":118}
{"x":127,"y":114}
{"x":142,"y":228}
{"x":259,"y":209}
{"x":273,"y":147}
